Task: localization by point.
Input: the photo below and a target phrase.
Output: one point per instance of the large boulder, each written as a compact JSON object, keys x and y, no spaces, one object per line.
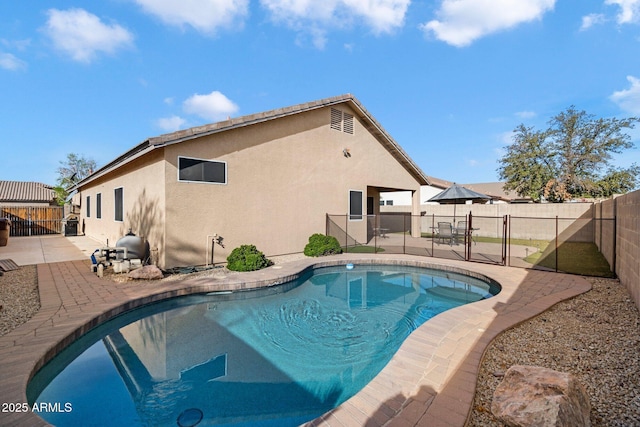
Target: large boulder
{"x":534,"y":396}
{"x":148,"y":272}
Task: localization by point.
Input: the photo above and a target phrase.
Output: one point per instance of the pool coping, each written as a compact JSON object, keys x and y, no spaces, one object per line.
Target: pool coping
{"x":430,"y":380}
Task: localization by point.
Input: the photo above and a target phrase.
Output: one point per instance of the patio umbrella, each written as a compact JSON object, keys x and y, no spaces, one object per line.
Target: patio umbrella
{"x":457,"y":194}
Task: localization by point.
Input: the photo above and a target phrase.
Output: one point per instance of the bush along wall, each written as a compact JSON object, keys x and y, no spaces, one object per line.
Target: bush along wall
{"x":321,"y":245}
{"x":247,"y":258}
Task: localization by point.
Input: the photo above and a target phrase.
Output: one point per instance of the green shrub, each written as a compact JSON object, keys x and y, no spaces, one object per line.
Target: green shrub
{"x":247,"y":258}
{"x":321,"y":245}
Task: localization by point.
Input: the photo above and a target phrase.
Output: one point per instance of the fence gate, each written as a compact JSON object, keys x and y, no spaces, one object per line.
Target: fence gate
{"x":33,"y":220}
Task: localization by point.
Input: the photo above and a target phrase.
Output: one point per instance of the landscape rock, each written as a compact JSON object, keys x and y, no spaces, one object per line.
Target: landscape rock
{"x":534,"y":396}
{"x":147,"y":272}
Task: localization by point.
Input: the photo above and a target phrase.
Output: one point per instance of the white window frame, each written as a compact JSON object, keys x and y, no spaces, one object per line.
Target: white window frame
{"x":226,"y":171}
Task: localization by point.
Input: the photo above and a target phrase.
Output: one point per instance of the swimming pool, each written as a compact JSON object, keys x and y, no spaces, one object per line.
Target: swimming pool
{"x":279,"y":356}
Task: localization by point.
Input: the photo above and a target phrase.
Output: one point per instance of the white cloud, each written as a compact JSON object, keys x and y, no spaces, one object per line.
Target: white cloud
{"x":629,"y":99}
{"x":461,"y":22}
{"x":170,"y":124}
{"x":82,"y":35}
{"x":525,"y":114}
{"x":11,"y":62}
{"x":206,"y":16}
{"x":16,"y":44}
{"x":630,"y":10}
{"x":317,"y":17}
{"x":383,"y":16}
{"x":214,"y":106}
{"x":317,"y":36}
{"x":592,"y":19}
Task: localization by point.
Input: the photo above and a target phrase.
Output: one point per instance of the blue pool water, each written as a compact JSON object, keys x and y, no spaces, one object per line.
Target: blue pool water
{"x":274,"y":357}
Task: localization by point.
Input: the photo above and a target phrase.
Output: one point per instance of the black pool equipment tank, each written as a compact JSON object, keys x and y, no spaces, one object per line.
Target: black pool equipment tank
{"x":137,"y":247}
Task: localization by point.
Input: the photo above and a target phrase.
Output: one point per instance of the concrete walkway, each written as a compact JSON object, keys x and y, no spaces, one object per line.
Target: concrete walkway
{"x":429,"y":382}
{"x":47,"y":249}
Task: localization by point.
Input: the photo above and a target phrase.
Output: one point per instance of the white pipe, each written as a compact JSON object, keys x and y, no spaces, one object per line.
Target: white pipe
{"x":206,"y":248}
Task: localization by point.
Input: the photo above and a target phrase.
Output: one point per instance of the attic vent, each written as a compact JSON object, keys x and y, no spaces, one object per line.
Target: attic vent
{"x":342,"y":122}
{"x":348,"y":123}
{"x":336,"y":119}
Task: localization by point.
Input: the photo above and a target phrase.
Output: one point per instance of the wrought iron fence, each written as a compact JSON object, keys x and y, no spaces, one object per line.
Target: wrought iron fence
{"x":572,"y":245}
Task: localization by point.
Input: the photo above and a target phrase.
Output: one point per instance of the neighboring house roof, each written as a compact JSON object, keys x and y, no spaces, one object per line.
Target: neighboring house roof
{"x":440,"y":183}
{"x":495,"y":190}
{"x":196,"y":132}
{"x":26,"y":192}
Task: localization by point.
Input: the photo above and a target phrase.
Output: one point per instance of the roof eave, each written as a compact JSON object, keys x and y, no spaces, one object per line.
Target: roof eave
{"x":199,"y":131}
{"x":136,"y":152}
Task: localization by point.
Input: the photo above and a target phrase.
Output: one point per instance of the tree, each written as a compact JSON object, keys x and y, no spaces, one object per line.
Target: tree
{"x":71,"y":171}
{"x":569,"y":158}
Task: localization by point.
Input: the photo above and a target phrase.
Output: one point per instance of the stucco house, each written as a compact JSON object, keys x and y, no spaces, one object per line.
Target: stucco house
{"x":267,"y":179}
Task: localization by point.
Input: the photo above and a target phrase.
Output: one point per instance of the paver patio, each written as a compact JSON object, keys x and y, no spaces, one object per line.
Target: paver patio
{"x":429,"y":382}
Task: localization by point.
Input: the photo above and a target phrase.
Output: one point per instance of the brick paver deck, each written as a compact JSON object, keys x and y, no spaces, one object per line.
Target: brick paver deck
{"x":429,"y":382}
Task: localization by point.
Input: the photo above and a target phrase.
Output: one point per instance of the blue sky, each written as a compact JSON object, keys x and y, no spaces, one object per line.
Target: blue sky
{"x":448,"y":79}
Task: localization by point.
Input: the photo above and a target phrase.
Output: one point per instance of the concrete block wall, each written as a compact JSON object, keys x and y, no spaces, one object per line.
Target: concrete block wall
{"x":487,"y":218}
{"x":627,"y":209}
{"x":605,"y":230}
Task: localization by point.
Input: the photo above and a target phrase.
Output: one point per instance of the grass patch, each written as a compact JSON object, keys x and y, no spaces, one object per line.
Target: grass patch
{"x":573,"y":257}
{"x":361,"y":249}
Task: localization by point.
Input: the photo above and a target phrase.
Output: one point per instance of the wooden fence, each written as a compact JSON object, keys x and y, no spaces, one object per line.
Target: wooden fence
{"x":33,"y":220}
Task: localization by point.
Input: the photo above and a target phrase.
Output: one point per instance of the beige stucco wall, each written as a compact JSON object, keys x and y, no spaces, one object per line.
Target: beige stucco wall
{"x":143,"y":203}
{"x":283,"y":176}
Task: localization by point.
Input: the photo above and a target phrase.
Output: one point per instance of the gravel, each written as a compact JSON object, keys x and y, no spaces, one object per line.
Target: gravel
{"x":595,"y":336}
{"x":19,"y":299}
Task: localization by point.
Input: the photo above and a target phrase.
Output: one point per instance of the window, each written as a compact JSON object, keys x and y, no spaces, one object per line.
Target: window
{"x":198,"y":170}
{"x":88,"y":206}
{"x":117,"y":195}
{"x":341,"y":121}
{"x":355,"y":205}
{"x":99,"y":205}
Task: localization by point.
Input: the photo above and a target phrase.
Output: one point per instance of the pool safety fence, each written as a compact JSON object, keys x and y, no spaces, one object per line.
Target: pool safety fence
{"x":572,"y":245}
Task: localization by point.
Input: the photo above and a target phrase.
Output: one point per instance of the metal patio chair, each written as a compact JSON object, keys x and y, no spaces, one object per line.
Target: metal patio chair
{"x":445,"y":232}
